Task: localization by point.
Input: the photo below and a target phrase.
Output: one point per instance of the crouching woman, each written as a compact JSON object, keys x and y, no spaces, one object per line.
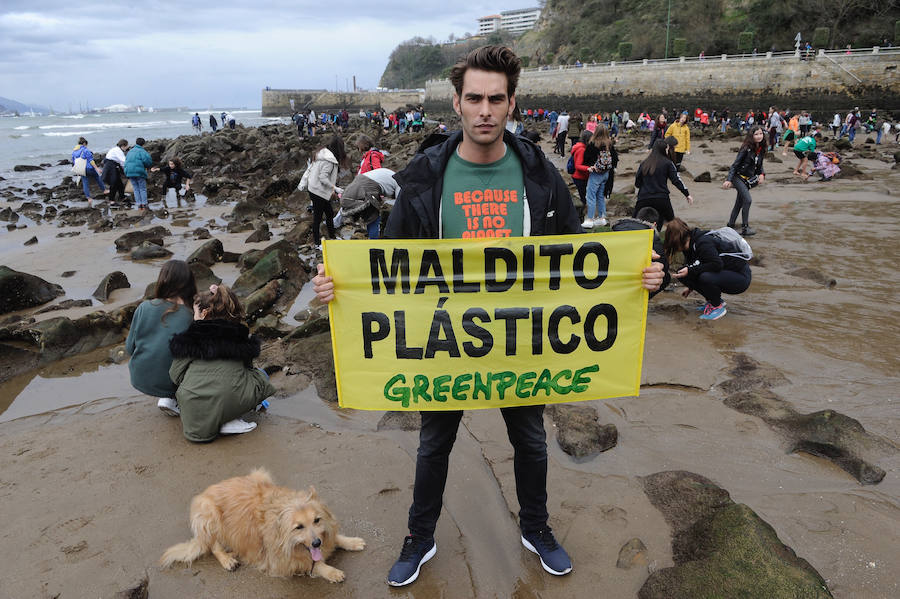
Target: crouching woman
{"x":213,"y":368}
{"x":708,"y":269}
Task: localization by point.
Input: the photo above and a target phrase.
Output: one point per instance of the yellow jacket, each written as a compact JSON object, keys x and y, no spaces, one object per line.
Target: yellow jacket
{"x":683,"y":134}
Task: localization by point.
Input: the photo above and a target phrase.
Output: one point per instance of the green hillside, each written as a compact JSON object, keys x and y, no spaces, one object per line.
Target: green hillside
{"x":602,"y":30}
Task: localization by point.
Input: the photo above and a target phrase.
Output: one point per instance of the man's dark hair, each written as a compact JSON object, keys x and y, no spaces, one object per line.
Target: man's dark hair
{"x":647,"y":214}
{"x":496,"y":59}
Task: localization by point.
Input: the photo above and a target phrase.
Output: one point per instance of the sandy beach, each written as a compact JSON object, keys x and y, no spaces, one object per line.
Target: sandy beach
{"x":95,"y":482}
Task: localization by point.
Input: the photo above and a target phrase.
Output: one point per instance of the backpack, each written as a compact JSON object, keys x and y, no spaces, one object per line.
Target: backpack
{"x":604,"y":161}
{"x":570,"y":165}
{"x":834,"y":157}
{"x":730,"y":243}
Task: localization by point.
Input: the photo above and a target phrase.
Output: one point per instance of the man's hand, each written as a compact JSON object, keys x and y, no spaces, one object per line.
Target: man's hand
{"x":323,"y":285}
{"x":652,"y":276}
{"x":726,"y":185}
{"x":681,"y":273}
{"x":690,"y":199}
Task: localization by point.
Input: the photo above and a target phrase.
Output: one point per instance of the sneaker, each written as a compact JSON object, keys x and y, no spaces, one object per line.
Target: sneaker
{"x":705,"y":307}
{"x":416,"y":551}
{"x":588,"y":223}
{"x":237,"y":427}
{"x":168,"y":406}
{"x":732,"y":226}
{"x":747,"y":231}
{"x":554,"y":558}
{"x":601,"y":222}
{"x":713,"y":312}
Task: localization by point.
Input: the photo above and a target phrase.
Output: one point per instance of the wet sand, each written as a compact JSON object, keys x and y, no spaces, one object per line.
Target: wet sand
{"x":92,"y":494}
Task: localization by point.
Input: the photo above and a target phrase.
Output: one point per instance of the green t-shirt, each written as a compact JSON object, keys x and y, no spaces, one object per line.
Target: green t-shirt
{"x":805,"y":144}
{"x":483,"y":200}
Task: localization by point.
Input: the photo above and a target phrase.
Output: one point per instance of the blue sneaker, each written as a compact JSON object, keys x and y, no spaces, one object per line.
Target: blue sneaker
{"x":554,"y":558}
{"x":713,"y":312}
{"x":705,"y":307}
{"x":416,"y":551}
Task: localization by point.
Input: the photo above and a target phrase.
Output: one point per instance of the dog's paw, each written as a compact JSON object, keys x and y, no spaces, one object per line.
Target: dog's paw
{"x":329,"y":573}
{"x":354,"y":544}
{"x":229,"y":563}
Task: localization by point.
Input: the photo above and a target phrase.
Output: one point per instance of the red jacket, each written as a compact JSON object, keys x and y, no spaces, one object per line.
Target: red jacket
{"x":370,"y":161}
{"x":581,"y":170}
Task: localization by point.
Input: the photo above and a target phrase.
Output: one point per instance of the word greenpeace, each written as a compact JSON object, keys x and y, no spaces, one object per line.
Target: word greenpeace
{"x":483,"y":323}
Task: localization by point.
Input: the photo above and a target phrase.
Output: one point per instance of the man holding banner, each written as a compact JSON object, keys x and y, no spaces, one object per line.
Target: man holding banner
{"x":488,"y":191}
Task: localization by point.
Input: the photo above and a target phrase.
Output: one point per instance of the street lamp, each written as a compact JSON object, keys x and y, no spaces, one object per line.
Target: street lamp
{"x":668,"y":19}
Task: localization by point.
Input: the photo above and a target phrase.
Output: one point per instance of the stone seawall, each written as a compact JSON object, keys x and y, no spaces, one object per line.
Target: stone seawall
{"x":833,"y":82}
{"x":277,"y":102}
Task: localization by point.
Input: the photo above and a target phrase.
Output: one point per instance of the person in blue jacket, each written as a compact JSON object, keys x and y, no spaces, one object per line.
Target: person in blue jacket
{"x":137,"y":161}
{"x":90,"y":169}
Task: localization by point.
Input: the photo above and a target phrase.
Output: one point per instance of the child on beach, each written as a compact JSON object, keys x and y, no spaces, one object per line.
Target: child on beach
{"x":174,"y":173}
{"x":213,"y":368}
{"x":155,"y":322}
{"x":804,"y":149}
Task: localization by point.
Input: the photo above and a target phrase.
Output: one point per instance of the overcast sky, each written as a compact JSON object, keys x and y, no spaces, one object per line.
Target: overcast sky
{"x":200,"y":54}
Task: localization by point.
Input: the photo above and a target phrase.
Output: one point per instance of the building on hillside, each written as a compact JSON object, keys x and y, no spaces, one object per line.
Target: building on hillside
{"x":518,"y":20}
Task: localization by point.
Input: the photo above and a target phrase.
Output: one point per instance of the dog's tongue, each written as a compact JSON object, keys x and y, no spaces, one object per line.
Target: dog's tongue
{"x":316,"y":554}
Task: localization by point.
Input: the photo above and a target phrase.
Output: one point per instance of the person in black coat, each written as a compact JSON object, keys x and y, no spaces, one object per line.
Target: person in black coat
{"x":174,"y":173}
{"x":746,"y":172}
{"x":706,"y":270}
{"x":652,"y":179}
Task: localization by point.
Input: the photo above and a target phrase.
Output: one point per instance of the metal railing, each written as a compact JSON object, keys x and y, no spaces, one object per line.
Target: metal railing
{"x":798,"y":54}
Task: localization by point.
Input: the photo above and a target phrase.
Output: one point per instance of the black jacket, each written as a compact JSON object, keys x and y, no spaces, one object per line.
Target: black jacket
{"x":216,"y":339}
{"x":591,"y":152}
{"x":702,"y":255}
{"x":747,"y":164}
{"x":174,"y":176}
{"x":657,"y":133}
{"x":415,"y":213}
{"x":656,"y":185}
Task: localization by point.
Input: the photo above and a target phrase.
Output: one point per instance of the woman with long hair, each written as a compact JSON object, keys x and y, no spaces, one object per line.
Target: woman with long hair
{"x":600,"y":155}
{"x":708,"y":270}
{"x":682,"y":132}
{"x":156,"y":320}
{"x":746,"y":172}
{"x":330,"y":158}
{"x":659,"y":130}
{"x":652,"y":179}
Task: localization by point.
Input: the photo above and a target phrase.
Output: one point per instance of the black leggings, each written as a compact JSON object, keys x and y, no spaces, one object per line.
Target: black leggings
{"x":321,"y":207}
{"x":741,"y":203}
{"x":711,"y":285}
{"x":663,"y":207}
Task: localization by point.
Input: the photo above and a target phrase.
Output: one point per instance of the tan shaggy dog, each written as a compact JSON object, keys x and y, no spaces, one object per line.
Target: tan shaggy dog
{"x":250,"y":520}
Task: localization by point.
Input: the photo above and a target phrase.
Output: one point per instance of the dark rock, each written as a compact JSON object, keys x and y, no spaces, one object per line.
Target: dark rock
{"x":703,"y":177}
{"x":262,"y":299}
{"x":32,"y":241}
{"x":850,"y":171}
{"x":278,"y":261}
{"x":578,"y":432}
{"x":402,"y":421}
{"x":314,"y":358}
{"x":842,"y":144}
{"x":111,"y":282}
{"x":181,"y":222}
{"x":827,"y":434}
{"x":239,"y":227}
{"x":814,"y":275}
{"x":31,"y":207}
{"x":209,"y":253}
{"x":68,"y":273}
{"x":204,"y":276}
{"x":69,"y":234}
{"x":268,"y":327}
{"x":230,"y":257}
{"x":19,"y":290}
{"x":301,"y":232}
{"x":24,"y":168}
{"x":8,"y":215}
{"x":65,"y":305}
{"x":201,"y":233}
{"x":149,"y":250}
{"x":261,"y":233}
{"x":749,"y":374}
{"x":136,"y":238}
{"x":775,"y":159}
{"x":248,"y":259}
{"x":141,"y":590}
{"x":633,"y":553}
{"x":720,"y":548}
{"x":897,"y":156}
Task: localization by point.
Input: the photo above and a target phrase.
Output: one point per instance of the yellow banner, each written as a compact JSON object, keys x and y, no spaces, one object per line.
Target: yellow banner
{"x":485,"y":323}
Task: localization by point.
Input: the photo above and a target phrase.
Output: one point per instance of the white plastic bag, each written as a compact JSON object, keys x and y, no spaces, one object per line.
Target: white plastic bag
{"x":80,"y":167}
{"x":338,"y":218}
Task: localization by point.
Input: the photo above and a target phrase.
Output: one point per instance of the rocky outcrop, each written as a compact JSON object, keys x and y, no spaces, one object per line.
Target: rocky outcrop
{"x":721,"y":548}
{"x":19,"y":290}
{"x":149,"y":251}
{"x":111,"y":282}
{"x":208,"y":253}
{"x":578,"y":431}
{"x":135,"y":238}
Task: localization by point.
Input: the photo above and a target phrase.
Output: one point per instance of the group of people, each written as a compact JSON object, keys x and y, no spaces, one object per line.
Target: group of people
{"x":228,"y":120}
{"x":192,"y":351}
{"x":132,"y":163}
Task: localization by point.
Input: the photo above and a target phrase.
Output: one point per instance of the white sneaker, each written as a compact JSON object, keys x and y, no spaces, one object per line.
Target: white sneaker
{"x":168,"y":406}
{"x":588,"y":223}
{"x":237,"y":427}
{"x":601,"y":222}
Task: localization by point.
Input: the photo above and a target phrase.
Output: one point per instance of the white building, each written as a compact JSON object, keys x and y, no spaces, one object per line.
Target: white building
{"x":514,"y":21}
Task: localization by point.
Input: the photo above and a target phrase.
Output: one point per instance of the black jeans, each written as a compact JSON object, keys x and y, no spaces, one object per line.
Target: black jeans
{"x":711,"y":285}
{"x":116,"y":190}
{"x":741,"y":203}
{"x":581,"y":186}
{"x":525,"y":428}
{"x":321,"y":207}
